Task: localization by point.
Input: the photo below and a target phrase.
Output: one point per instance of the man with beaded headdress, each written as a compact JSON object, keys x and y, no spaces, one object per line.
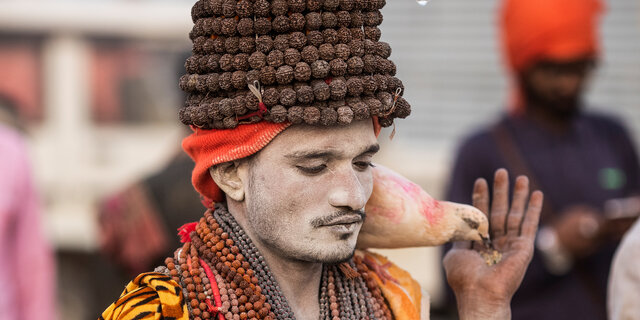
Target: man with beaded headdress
{"x":286,"y":99}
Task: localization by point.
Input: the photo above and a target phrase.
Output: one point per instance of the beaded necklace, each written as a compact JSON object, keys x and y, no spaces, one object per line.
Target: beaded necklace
{"x":224,"y":276}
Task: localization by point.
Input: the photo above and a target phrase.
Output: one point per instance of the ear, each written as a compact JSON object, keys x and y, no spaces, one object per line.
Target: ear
{"x":227,"y":177}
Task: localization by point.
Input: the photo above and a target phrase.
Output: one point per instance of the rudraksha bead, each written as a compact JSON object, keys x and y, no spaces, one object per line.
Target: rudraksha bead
{"x":372,"y":33}
{"x":305,"y":94}
{"x":281,"y":42}
{"x":297,"y":40}
{"x":279,"y":7}
{"x":267,"y":75}
{"x":321,"y":90}
{"x":345,"y":115}
{"x":338,"y":89}
{"x":257,"y":60}
{"x":354,"y":86}
{"x":261,"y":8}
{"x":355,"y":66}
{"x":329,"y":19}
{"x":244,"y":9}
{"x":320,"y":69}
{"x":331,"y":5}
{"x":270,"y":97}
{"x":338,"y":67}
{"x":264,"y":44}
{"x":297,"y":21}
{"x":241,"y":61}
{"x":297,"y":6}
{"x":292,"y":56}
{"x":330,"y":36}
{"x":310,"y":54}
{"x":344,"y":35}
{"x":229,"y":8}
{"x":275,"y":58}
{"x":239,"y":80}
{"x":278,"y":114}
{"x":315,"y":38}
{"x":326,"y":52}
{"x":295,"y":114}
{"x":245,"y":27}
{"x":311,"y":115}
{"x":229,"y":26}
{"x":280,"y":24}
{"x":284,"y":74}
{"x":262,"y":26}
{"x":302,"y":71}
{"x":288,"y":97}
{"x":247,"y":44}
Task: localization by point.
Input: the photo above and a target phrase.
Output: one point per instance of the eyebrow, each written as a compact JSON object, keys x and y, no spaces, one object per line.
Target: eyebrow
{"x":316,"y":154}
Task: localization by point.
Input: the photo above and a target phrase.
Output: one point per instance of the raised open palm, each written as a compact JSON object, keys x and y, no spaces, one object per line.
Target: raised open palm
{"x":484,"y":291}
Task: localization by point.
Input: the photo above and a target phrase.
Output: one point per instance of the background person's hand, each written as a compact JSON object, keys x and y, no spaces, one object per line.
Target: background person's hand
{"x":483,"y":291}
{"x":579,"y":231}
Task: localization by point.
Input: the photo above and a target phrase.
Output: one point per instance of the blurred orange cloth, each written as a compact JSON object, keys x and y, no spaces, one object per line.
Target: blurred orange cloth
{"x":552,"y":29}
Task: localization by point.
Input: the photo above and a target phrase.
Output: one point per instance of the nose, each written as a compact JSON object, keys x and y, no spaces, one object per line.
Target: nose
{"x":347,"y":191}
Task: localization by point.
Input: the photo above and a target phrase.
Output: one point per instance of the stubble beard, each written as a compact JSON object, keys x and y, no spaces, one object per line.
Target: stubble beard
{"x":273,"y":234}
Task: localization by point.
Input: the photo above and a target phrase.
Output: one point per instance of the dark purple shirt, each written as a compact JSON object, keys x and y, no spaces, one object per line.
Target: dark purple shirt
{"x":593,"y":162}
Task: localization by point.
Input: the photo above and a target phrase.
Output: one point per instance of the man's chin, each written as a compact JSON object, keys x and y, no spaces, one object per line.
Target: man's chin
{"x":337,"y":258}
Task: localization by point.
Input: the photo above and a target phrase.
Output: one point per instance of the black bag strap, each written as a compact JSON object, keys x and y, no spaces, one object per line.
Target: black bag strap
{"x":517,"y":165}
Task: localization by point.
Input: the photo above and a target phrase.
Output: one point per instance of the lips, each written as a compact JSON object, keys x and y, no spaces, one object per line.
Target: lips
{"x":344,"y":220}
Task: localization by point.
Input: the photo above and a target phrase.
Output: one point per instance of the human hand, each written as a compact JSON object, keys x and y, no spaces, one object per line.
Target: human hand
{"x":579,"y":231}
{"x":483,"y":291}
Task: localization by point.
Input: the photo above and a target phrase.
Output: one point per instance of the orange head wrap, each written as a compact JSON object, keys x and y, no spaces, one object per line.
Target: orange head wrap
{"x":553,"y":29}
{"x":208,"y":148}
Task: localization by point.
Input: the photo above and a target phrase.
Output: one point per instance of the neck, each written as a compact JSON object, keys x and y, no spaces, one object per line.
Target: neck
{"x":299,"y":281}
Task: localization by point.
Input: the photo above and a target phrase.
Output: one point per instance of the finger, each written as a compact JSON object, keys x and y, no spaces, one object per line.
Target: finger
{"x":500,"y":203}
{"x":532,"y":217}
{"x":520,"y":193}
{"x":481,"y":195}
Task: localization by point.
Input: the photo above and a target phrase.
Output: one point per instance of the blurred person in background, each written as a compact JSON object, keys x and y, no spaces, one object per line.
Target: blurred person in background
{"x":27,"y":273}
{"x":579,"y":159}
{"x":130,"y":219}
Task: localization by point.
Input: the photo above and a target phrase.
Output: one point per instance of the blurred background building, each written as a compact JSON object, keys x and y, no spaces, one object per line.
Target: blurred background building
{"x":96,"y":82}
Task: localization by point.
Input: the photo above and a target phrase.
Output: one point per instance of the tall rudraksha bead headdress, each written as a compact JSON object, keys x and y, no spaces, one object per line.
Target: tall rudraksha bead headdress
{"x":319,"y":62}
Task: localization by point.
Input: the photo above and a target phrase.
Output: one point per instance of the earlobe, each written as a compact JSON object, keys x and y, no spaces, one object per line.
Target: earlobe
{"x":227,"y":177}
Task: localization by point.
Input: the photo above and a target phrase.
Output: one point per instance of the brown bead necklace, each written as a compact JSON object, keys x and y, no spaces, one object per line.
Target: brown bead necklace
{"x":224,"y":276}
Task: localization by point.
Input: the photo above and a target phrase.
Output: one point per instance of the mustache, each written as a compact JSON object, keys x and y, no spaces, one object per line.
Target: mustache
{"x":332,"y":218}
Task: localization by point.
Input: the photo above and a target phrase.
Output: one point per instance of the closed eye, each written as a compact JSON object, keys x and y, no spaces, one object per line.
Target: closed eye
{"x":363,"y":165}
{"x":312,"y":170}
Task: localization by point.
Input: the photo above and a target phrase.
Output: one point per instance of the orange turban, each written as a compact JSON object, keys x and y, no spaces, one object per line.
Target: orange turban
{"x":208,"y":148}
{"x":211,"y":147}
{"x":554,"y":29}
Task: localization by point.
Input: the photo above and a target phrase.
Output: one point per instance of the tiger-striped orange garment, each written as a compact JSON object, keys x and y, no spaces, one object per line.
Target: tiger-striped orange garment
{"x":157,"y":296}
{"x":150,"y":296}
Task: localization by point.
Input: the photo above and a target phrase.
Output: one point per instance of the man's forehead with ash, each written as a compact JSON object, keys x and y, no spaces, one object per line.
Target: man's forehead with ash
{"x":327,"y":153}
{"x":311,"y":142}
